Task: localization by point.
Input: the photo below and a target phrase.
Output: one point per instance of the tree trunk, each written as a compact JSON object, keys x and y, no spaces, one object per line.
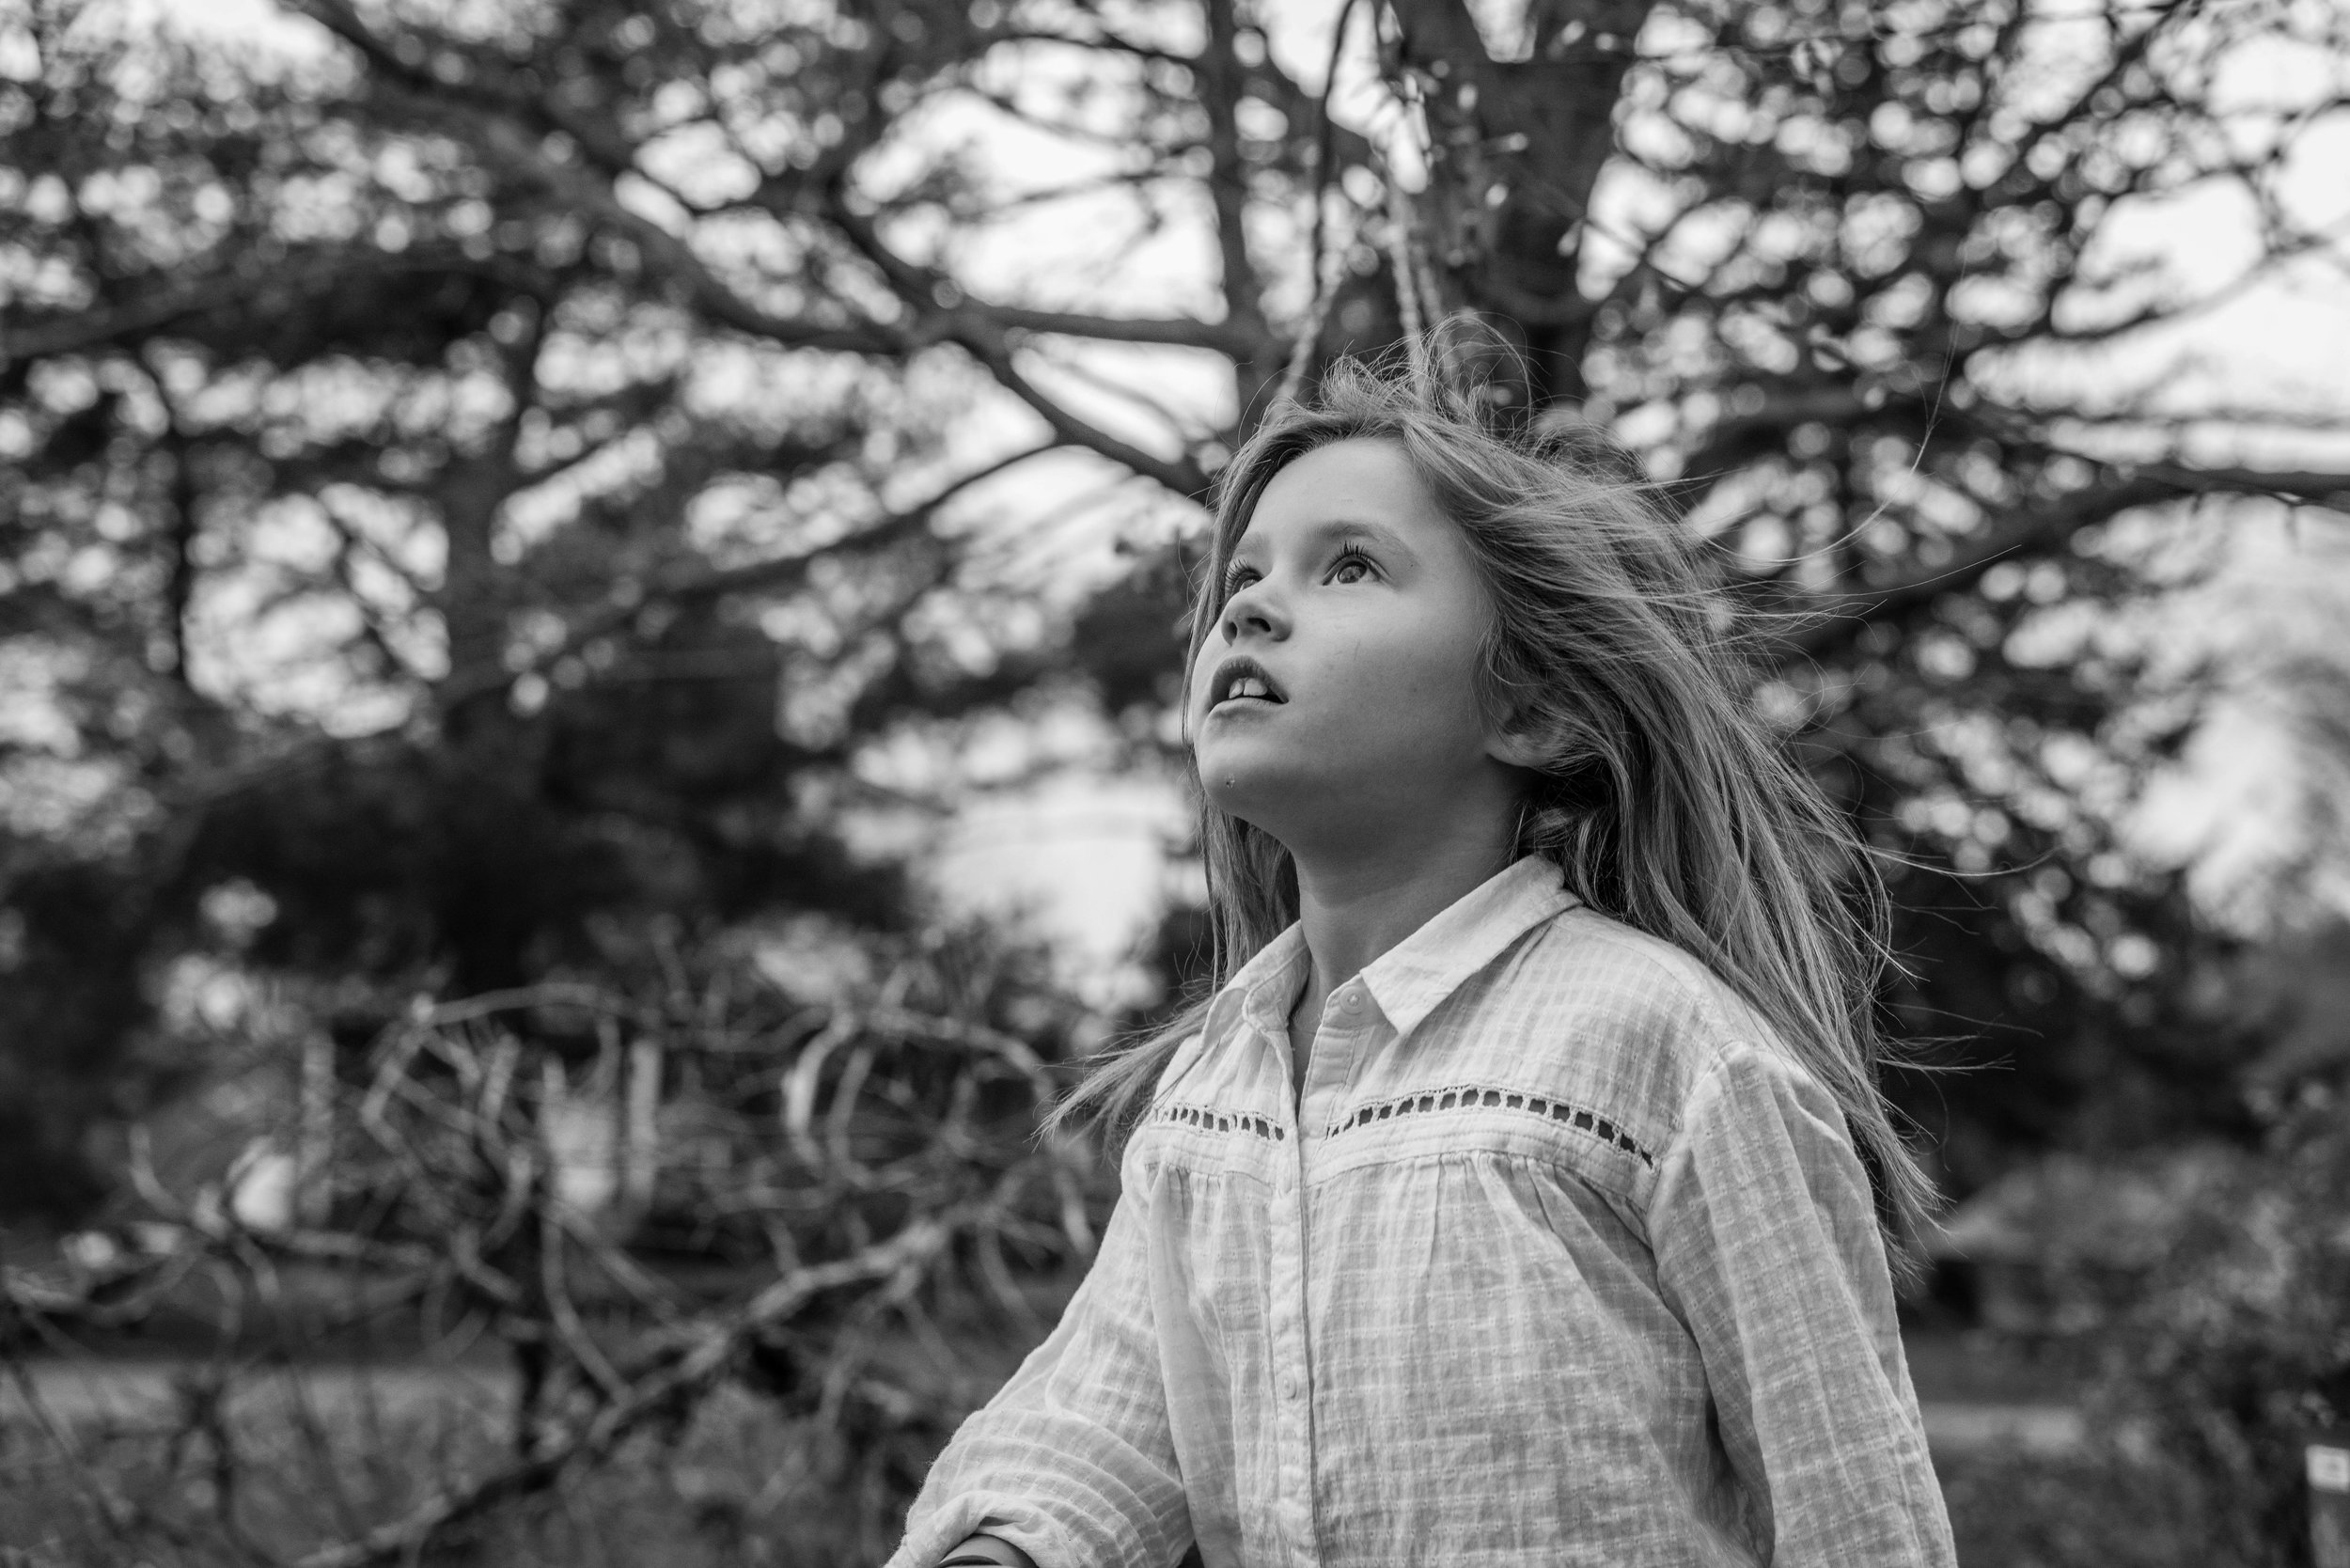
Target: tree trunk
{"x":488,"y":767}
{"x":180,"y":584}
{"x":1220,"y":80}
{"x":1518,"y":146}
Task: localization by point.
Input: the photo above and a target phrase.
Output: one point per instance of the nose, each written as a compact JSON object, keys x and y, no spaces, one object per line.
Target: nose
{"x":1251,"y":609}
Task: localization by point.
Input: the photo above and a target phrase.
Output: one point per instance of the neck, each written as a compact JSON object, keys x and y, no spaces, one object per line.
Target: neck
{"x":1355,"y":907}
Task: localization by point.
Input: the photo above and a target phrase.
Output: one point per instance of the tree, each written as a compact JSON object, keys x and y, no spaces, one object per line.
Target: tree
{"x":292,"y":367}
{"x":551,"y":376}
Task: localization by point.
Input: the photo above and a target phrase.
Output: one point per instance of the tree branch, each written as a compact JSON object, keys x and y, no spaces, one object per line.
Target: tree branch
{"x":1179,"y":474}
{"x":1831,"y":621}
{"x":702,"y":586}
{"x":1185,"y":332}
{"x":713,"y":1349}
{"x":316,"y":274}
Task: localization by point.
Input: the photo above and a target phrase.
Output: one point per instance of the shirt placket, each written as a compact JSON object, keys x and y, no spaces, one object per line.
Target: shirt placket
{"x":1337,"y":1042}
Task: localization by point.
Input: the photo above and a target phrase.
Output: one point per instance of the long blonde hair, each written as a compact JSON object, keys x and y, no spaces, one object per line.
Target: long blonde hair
{"x":1667,"y":804}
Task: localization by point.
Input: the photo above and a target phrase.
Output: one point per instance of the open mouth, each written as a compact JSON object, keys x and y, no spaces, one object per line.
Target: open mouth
{"x":1243,"y":679}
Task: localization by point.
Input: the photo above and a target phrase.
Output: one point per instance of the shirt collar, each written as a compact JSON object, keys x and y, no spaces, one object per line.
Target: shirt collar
{"x":1410,"y":979}
{"x":1265,"y":990}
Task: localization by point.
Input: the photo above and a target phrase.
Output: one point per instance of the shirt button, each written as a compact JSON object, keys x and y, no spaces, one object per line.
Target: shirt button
{"x":1354,"y":1002}
{"x":1288,"y":1385}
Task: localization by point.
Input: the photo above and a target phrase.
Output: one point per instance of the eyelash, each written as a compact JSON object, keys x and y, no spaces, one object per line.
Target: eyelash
{"x":1239,"y":577}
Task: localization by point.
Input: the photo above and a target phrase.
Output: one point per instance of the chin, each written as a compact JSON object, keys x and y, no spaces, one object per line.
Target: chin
{"x":1234,"y":783}
{"x":1236,"y":792}
{"x":1272,"y":800}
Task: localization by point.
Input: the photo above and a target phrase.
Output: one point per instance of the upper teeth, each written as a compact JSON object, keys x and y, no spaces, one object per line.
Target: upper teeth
{"x":1248,"y":686}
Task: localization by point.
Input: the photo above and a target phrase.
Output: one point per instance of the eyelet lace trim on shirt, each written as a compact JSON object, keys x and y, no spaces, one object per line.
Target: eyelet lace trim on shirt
{"x":1463,"y":1096}
{"x":1222,"y":1121}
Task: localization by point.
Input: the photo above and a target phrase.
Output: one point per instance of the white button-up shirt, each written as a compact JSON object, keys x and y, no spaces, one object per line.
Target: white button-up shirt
{"x":1556,"y":1258}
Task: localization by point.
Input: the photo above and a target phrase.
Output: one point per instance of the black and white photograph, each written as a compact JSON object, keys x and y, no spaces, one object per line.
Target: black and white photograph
{"x":1174,"y":783}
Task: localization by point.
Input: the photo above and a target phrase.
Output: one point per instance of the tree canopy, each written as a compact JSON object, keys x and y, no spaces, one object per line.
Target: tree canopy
{"x":484,"y":484}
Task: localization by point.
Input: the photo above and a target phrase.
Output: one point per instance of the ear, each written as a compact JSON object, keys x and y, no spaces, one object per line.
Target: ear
{"x":1513,"y":742}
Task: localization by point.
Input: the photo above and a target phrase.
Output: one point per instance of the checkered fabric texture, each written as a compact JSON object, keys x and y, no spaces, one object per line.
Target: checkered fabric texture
{"x":1559,"y":1257}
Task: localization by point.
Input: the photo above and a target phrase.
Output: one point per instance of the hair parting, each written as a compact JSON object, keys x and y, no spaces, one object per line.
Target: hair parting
{"x":1662,"y":798}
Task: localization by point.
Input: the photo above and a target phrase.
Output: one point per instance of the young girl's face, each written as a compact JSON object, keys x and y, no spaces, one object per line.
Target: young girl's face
{"x":1336,"y":697}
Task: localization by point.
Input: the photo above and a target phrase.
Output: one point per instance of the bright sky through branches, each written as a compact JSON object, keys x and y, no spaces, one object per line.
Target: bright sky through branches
{"x":1082,"y":853}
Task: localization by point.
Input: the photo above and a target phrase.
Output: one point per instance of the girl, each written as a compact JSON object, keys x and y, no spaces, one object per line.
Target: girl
{"x":1523,"y":1193}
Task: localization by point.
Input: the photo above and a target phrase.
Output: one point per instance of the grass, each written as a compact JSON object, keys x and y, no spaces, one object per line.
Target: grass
{"x":274,"y":1464}
{"x":270,"y":1470}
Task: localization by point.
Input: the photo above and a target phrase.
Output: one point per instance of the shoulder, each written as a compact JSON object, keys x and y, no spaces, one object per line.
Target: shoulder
{"x":1180,"y":1061}
{"x":1636,"y":1020}
{"x":1181,"y":1092}
{"x":1628,"y":989}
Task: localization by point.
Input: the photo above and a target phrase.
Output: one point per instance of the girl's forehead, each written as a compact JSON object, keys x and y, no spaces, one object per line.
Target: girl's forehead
{"x":1360,"y":480}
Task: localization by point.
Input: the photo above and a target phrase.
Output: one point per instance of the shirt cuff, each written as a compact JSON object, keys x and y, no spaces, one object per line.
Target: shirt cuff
{"x":1016,"y":1520}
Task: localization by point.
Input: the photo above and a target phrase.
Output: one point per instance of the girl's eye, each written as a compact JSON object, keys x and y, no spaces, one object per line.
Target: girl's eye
{"x":1352,"y":567}
{"x":1238,"y":578}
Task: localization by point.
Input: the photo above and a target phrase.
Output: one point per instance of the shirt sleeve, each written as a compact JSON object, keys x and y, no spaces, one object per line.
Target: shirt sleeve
{"x":1072,"y":1461}
{"x":1766,"y":1242}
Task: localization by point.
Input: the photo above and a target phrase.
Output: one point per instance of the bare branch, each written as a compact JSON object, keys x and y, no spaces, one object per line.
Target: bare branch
{"x":702,"y":585}
{"x":1833,"y":620}
{"x":1230,"y":337}
{"x":1179,"y":474}
{"x":714,"y":1348}
{"x":301,"y":276}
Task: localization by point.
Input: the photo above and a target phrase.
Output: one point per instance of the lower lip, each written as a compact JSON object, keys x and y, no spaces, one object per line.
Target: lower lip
{"x":1242,"y":704}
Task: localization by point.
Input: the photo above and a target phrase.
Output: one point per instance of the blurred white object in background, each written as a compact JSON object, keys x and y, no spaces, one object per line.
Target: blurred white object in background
{"x":261,"y":1187}
{"x":1081,"y":858}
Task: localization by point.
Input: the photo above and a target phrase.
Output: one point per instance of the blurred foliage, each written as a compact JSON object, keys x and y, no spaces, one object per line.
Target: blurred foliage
{"x":2240,"y":1351}
{"x":2194,"y":1297}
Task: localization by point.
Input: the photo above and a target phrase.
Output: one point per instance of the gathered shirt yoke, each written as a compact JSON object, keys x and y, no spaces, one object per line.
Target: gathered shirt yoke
{"x":1557,"y":1255}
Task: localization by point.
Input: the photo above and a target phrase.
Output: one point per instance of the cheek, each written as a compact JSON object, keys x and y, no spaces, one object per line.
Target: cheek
{"x":1202,"y":669}
{"x":1423,"y":684}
